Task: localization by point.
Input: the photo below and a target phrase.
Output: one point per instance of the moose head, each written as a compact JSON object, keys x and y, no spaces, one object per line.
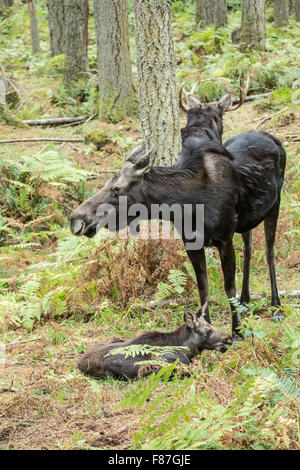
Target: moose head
{"x":97,"y":211}
{"x":209,"y":115}
{"x":202,"y":335}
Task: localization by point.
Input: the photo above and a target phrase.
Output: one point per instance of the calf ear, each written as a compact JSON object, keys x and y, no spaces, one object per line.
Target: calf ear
{"x":202,"y":310}
{"x":225,"y":102}
{"x":190,"y":319}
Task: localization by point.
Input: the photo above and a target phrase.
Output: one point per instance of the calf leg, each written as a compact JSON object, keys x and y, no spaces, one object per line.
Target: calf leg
{"x":198,"y":261}
{"x":247,"y":249}
{"x":270,"y":225}
{"x":227,"y":256}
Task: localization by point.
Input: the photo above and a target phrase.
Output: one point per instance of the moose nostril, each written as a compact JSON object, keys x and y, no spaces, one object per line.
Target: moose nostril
{"x":77,"y":227}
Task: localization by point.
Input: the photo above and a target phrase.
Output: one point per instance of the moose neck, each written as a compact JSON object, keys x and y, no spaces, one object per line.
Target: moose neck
{"x":170,"y":185}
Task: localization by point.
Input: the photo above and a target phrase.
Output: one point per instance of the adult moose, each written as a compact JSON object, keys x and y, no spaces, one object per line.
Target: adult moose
{"x":195,"y":335}
{"x":259,"y":160}
{"x":238,"y":190}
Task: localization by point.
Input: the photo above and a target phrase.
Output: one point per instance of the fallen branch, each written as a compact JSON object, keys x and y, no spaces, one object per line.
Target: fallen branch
{"x":270,"y":116}
{"x":53,"y":121}
{"x":16,"y":343}
{"x":192,"y":300}
{"x":253,"y":97}
{"x":42,"y":139}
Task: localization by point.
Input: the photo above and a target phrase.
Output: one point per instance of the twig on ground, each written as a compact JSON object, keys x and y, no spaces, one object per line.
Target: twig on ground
{"x":17,"y":342}
{"x":270,"y":116}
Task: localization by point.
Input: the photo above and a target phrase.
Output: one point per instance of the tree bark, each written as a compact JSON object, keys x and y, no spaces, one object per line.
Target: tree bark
{"x":281,"y":13}
{"x":157,"y":80}
{"x":35,"y":39}
{"x":297,"y":10}
{"x":76,"y":37}
{"x":291,"y":7}
{"x":204,"y":10}
{"x":220,"y":13}
{"x":117,"y":98}
{"x":56,"y":20}
{"x":253,"y":33}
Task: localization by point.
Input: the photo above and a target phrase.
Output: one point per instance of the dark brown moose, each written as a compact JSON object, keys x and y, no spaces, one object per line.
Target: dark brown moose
{"x":239,"y":185}
{"x":195,"y":334}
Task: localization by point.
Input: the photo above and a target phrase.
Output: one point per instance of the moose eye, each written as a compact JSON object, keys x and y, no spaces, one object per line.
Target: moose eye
{"x":208,"y":333}
{"x":116,"y":190}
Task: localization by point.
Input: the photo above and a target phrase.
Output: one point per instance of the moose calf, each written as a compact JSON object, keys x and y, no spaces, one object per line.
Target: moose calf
{"x":195,"y":334}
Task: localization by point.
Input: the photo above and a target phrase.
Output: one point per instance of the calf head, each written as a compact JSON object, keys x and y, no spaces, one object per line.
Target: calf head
{"x":202,"y":335}
{"x":104,"y":207}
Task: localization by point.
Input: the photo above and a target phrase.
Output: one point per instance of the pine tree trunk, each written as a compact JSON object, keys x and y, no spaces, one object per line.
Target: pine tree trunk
{"x":157,"y":80}
{"x":76,"y":37}
{"x":35,"y":39}
{"x":220,"y":13}
{"x":56,"y":20}
{"x":116,"y":92}
{"x":205,"y":12}
{"x":297,"y":9}
{"x":291,"y":7}
{"x":253,"y":33}
{"x":281,"y":13}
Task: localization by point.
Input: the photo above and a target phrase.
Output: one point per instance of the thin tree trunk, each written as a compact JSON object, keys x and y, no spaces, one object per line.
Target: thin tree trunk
{"x":253,"y":33}
{"x":220,"y":13}
{"x":204,"y":10}
{"x":56,"y":20}
{"x":116,"y":93}
{"x":297,"y":9}
{"x":291,"y":7}
{"x":281,"y":13}
{"x":35,"y":39}
{"x":157,"y":80}
{"x":76,"y":38}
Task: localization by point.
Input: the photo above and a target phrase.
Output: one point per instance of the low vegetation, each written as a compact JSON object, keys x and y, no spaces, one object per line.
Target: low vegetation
{"x":60,"y":294}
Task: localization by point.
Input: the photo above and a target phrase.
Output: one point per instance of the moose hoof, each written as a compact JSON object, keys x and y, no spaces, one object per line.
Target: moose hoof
{"x":279,"y":316}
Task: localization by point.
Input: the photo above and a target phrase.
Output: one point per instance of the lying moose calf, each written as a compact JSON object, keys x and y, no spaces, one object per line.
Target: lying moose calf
{"x":195,"y":334}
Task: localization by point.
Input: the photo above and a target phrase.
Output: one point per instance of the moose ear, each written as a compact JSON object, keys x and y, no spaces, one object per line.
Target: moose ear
{"x":201,"y":312}
{"x":145,"y":162}
{"x":189,"y":319}
{"x":225,"y":102}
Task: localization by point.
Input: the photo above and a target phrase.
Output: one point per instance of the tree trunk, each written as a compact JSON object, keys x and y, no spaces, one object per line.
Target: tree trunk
{"x":116,"y":92}
{"x":281,"y":13}
{"x":204,"y":10}
{"x":253,"y":33}
{"x":4,"y":4}
{"x":76,"y":38}
{"x":157,"y":80}
{"x":56,"y":20}
{"x":35,"y":39}
{"x":291,"y":7}
{"x":297,"y":9}
{"x":220,"y":13}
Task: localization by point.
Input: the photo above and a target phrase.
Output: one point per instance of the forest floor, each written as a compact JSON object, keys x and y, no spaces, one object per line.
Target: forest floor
{"x":92,"y":293}
{"x":45,"y":402}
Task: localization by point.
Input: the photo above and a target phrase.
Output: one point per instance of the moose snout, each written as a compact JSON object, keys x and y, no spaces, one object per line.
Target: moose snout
{"x":77,"y":226}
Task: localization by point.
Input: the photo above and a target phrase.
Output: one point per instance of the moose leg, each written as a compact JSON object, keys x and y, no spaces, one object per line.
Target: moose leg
{"x":247,"y":249}
{"x":270,"y":225}
{"x":227,"y":256}
{"x":197,"y":258}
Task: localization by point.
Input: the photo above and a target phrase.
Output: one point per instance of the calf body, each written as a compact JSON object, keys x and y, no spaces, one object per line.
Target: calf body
{"x":195,"y":334}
